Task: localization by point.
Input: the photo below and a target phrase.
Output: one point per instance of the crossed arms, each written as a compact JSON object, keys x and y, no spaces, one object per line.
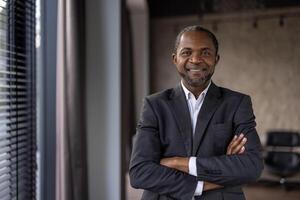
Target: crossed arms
{"x":236,"y":146}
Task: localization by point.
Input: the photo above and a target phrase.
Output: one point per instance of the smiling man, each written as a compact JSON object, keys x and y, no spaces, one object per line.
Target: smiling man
{"x":197,"y":140}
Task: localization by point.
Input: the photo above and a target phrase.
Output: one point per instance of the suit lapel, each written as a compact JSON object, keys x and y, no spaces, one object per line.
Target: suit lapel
{"x":181,"y":114}
{"x":210,"y":104}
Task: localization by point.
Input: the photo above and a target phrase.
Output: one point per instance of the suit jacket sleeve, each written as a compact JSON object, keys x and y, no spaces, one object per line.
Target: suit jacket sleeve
{"x":229,"y":170}
{"x":145,"y":170}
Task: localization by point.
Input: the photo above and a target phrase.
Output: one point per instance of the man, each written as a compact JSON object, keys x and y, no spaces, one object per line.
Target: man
{"x":197,"y":140}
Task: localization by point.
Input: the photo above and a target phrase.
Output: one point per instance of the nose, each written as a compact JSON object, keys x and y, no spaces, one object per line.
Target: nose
{"x":196,"y":58}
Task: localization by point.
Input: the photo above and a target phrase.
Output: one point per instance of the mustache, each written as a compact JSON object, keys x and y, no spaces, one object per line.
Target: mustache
{"x":202,"y":66}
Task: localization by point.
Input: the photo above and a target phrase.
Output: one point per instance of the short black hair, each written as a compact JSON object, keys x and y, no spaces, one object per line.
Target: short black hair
{"x":199,"y":29}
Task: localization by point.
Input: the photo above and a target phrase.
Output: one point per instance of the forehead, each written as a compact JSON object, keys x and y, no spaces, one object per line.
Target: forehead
{"x":196,"y":39}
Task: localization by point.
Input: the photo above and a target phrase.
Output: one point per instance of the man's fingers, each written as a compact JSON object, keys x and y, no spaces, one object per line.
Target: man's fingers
{"x":242,"y":150}
{"x":231,"y":144}
{"x":237,"y":145}
{"x":233,"y":140}
{"x":237,"y":139}
{"x":166,"y":162}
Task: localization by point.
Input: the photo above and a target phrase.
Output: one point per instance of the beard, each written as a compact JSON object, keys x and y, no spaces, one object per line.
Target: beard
{"x":196,"y":82}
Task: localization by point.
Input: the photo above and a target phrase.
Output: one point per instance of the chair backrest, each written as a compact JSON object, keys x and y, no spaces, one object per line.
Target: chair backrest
{"x":282,"y":138}
{"x":283,"y":163}
{"x":280,"y":156}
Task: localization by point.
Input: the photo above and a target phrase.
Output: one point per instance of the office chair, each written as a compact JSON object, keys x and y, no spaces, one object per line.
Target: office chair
{"x":281,"y":157}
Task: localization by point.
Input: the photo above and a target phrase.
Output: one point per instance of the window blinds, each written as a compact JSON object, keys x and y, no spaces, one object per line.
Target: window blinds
{"x":17,"y":99}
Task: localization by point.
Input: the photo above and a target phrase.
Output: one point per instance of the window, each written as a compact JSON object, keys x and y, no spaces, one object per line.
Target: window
{"x":17,"y":99}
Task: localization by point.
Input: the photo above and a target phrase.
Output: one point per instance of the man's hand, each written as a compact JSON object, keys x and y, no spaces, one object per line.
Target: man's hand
{"x":179,"y":163}
{"x":210,"y":186}
{"x":236,"y":146}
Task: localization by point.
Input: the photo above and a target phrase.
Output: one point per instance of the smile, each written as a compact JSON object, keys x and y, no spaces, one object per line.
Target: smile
{"x":194,"y":70}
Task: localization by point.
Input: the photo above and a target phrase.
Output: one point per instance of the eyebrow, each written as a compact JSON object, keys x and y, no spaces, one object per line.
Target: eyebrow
{"x":185,"y":48}
{"x":207,"y":48}
{"x":204,"y":48}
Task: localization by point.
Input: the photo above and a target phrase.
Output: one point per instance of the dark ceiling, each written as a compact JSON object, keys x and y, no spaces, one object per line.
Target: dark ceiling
{"x":169,"y":8}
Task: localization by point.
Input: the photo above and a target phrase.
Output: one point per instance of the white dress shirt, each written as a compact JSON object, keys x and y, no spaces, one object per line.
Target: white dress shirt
{"x":194,"y":108}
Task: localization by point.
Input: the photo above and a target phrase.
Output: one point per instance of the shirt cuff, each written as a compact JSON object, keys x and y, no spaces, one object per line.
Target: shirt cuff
{"x":199,"y":189}
{"x":192,"y":166}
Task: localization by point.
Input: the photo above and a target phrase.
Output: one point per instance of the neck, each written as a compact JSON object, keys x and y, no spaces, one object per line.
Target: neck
{"x":196,"y":90}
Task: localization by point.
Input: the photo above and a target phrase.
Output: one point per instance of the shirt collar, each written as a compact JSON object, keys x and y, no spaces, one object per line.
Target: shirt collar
{"x":189,"y":93}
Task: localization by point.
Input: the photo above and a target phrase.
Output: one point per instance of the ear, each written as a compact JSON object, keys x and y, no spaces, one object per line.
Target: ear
{"x":174,"y":58}
{"x":217,"y":58}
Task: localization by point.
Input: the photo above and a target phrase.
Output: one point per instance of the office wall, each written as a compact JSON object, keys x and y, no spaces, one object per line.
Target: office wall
{"x":262,"y":61}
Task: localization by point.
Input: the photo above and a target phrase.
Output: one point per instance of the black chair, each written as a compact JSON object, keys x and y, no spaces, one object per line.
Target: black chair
{"x":281,"y":157}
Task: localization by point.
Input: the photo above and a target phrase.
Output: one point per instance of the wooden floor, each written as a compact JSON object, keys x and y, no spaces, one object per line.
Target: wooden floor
{"x":259,"y":191}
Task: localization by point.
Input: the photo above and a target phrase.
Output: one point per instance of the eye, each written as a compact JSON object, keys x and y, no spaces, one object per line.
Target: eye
{"x":185,"y":53}
{"x":206,"y":52}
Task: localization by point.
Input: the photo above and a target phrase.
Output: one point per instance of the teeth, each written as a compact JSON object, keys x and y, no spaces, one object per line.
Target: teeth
{"x":195,"y":70}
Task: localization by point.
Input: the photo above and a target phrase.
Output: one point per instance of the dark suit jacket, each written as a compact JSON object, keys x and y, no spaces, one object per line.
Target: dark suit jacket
{"x":165,"y":130}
